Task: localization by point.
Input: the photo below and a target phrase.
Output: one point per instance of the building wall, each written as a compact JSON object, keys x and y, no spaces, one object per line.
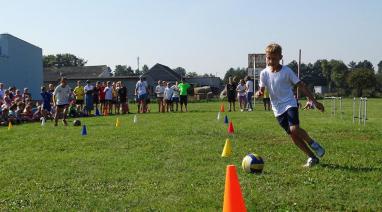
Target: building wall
{"x":20,"y":64}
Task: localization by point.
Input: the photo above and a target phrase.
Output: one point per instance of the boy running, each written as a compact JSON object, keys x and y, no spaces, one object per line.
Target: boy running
{"x":279,"y":80}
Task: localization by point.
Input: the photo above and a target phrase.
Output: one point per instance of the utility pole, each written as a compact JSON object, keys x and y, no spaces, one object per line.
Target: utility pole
{"x":298,"y":71}
{"x":138,"y":62}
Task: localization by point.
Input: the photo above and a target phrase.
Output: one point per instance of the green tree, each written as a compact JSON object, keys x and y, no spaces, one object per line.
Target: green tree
{"x":362,"y":78}
{"x":379,"y":82}
{"x":380,"y":67}
{"x":327,"y":73}
{"x":339,"y":73}
{"x":138,"y":72}
{"x":352,"y":65}
{"x":181,"y":71}
{"x":63,"y":60}
{"x":121,"y":70}
{"x":145,"y":69}
{"x":365,"y":64}
{"x":192,"y":74}
{"x":130,"y":71}
{"x":239,"y":73}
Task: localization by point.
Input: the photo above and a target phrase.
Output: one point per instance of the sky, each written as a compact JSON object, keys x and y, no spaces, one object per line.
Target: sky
{"x":203,"y":36}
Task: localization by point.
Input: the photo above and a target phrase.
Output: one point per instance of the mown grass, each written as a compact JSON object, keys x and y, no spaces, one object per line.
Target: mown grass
{"x":171,"y":162}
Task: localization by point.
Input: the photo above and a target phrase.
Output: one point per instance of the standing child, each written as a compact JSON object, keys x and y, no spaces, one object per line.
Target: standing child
{"x":122,"y":96}
{"x":46,"y":106}
{"x":231,"y":94}
{"x":109,"y":97}
{"x":168,"y":92}
{"x":241,"y":94}
{"x":279,"y":80}
{"x":249,"y":89}
{"x":175,"y":96}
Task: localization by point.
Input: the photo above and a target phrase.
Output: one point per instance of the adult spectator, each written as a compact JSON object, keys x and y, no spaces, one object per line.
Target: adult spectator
{"x":141,"y":91}
{"x":61,"y":97}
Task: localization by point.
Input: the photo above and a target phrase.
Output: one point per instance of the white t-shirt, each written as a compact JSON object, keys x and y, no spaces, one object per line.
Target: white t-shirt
{"x":159,"y":90}
{"x":176,"y":91}
{"x":141,"y":87}
{"x":88,"y":88}
{"x":108,"y":93}
{"x":62,"y":94}
{"x":168,"y":92}
{"x":249,"y":85}
{"x":280,"y":85}
{"x":240,"y":90}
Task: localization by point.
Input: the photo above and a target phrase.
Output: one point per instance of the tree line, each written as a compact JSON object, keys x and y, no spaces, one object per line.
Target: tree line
{"x":70,"y":60}
{"x":354,"y":79}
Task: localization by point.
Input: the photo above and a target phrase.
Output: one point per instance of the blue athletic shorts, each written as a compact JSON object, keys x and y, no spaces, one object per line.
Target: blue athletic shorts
{"x":288,"y":118}
{"x":142,"y":97}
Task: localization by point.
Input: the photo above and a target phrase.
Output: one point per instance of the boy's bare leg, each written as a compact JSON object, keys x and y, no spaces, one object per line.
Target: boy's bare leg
{"x":64,"y":116}
{"x":298,"y":141}
{"x":304,"y":135}
{"x":58,"y":112}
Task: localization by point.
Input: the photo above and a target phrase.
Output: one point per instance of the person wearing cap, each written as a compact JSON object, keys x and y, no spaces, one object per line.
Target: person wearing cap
{"x":61,"y":97}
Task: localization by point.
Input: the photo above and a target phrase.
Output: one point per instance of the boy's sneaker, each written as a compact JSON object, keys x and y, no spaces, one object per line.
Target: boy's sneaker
{"x":320,"y":151}
{"x":312,"y":161}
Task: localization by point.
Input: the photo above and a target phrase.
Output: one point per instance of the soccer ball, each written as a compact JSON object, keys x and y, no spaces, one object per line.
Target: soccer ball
{"x":77,"y":123}
{"x":253,"y":163}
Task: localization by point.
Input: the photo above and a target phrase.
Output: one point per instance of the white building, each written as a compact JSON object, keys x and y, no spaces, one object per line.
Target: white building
{"x":21,"y":64}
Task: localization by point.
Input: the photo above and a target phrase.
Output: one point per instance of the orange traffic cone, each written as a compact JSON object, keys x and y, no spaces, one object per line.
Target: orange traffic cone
{"x":230,"y":128}
{"x":222,"y":108}
{"x":233,"y":198}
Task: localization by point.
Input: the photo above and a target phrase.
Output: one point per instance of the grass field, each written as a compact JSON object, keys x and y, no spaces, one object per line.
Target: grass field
{"x":172,"y":162}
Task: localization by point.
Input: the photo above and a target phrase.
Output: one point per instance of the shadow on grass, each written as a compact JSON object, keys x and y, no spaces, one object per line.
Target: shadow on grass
{"x":350,"y":168}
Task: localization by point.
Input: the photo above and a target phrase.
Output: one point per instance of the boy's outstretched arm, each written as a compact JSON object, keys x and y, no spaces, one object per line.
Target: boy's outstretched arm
{"x":301,"y":85}
{"x":260,"y":92}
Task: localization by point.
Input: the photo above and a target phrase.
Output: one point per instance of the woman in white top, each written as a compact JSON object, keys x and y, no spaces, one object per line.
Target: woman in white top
{"x":241,"y":94}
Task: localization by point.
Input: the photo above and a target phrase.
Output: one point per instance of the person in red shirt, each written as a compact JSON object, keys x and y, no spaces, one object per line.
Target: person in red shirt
{"x":102,"y":94}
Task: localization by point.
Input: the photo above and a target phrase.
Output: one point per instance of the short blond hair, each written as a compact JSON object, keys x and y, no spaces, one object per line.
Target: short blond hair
{"x":273,"y":48}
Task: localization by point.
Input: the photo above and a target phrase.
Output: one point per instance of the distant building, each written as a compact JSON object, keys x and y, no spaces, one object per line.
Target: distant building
{"x":54,"y":74}
{"x":20,"y":64}
{"x":163,"y":73}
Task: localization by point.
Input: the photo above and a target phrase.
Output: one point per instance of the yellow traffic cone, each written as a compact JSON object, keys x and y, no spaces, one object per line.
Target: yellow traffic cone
{"x":10,"y":126}
{"x":117,"y":123}
{"x":227,"y":151}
